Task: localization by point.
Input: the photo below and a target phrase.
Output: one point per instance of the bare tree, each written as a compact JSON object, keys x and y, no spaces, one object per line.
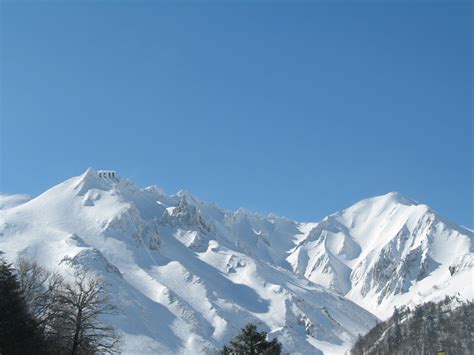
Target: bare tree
{"x":40,"y":288}
{"x":68,"y":315}
{"x":78,"y":310}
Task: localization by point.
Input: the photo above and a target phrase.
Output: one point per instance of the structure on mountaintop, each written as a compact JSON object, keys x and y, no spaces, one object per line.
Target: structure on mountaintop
{"x":107,"y":174}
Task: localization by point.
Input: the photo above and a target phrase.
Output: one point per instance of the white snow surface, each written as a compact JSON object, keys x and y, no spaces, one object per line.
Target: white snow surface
{"x":9,"y":201}
{"x":187,"y":275}
{"x":388,"y":251}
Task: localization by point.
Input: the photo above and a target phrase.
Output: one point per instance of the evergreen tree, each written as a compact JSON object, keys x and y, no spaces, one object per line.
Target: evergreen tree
{"x":395,"y":335}
{"x":428,"y":328}
{"x":431,"y":329}
{"x":252,"y":342}
{"x":18,"y":329}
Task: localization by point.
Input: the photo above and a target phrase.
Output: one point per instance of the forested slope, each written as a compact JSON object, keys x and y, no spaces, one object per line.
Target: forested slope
{"x":427,"y":329}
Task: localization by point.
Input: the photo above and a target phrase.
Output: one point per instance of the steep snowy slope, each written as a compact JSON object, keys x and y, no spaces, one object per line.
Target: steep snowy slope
{"x":186,"y":275}
{"x":387,"y":251}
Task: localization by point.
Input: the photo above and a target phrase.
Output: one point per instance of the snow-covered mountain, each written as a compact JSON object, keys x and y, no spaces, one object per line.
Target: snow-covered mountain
{"x":188,"y":275}
{"x":387,"y":251}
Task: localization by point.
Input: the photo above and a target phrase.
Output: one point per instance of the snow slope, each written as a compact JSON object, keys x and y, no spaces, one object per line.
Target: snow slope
{"x":387,"y":251}
{"x":9,"y":201}
{"x":188,"y":275}
{"x":185,"y":275}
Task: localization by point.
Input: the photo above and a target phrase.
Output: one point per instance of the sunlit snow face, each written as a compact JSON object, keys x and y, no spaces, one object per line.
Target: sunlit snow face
{"x":185,"y":272}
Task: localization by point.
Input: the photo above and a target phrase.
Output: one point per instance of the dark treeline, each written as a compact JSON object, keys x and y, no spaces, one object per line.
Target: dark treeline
{"x":42,"y":314}
{"x":427,"y":329}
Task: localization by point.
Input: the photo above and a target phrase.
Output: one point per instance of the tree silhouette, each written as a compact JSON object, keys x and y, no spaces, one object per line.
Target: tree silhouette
{"x":251,"y":342}
{"x":19,"y":332}
{"x":77,"y":324}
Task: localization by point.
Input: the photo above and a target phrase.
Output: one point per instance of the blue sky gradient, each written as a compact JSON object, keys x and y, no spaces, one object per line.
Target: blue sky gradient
{"x":300,"y":109}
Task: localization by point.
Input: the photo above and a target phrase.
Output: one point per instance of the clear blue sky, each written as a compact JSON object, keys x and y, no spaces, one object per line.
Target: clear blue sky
{"x":300,"y":108}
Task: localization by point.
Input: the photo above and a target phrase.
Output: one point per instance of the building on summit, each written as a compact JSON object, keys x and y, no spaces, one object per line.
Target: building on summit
{"x":111,"y":174}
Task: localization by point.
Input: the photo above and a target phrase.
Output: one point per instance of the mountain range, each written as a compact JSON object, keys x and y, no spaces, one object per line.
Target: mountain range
{"x":186,"y":275}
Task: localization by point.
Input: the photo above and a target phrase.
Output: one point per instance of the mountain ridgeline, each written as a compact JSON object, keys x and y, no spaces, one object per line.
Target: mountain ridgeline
{"x":427,"y":329}
{"x":186,"y":275}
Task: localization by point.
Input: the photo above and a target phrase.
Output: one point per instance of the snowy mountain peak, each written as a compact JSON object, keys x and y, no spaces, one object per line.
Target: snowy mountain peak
{"x":397,"y":197}
{"x":188,"y":198}
{"x":380,"y":203}
{"x":95,"y":182}
{"x":384,"y":251}
{"x":154,"y":189}
{"x":90,"y":180}
{"x":187,"y":274}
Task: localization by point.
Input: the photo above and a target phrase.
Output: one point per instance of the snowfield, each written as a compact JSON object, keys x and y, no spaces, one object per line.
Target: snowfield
{"x":187,"y":275}
{"x":9,"y":201}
